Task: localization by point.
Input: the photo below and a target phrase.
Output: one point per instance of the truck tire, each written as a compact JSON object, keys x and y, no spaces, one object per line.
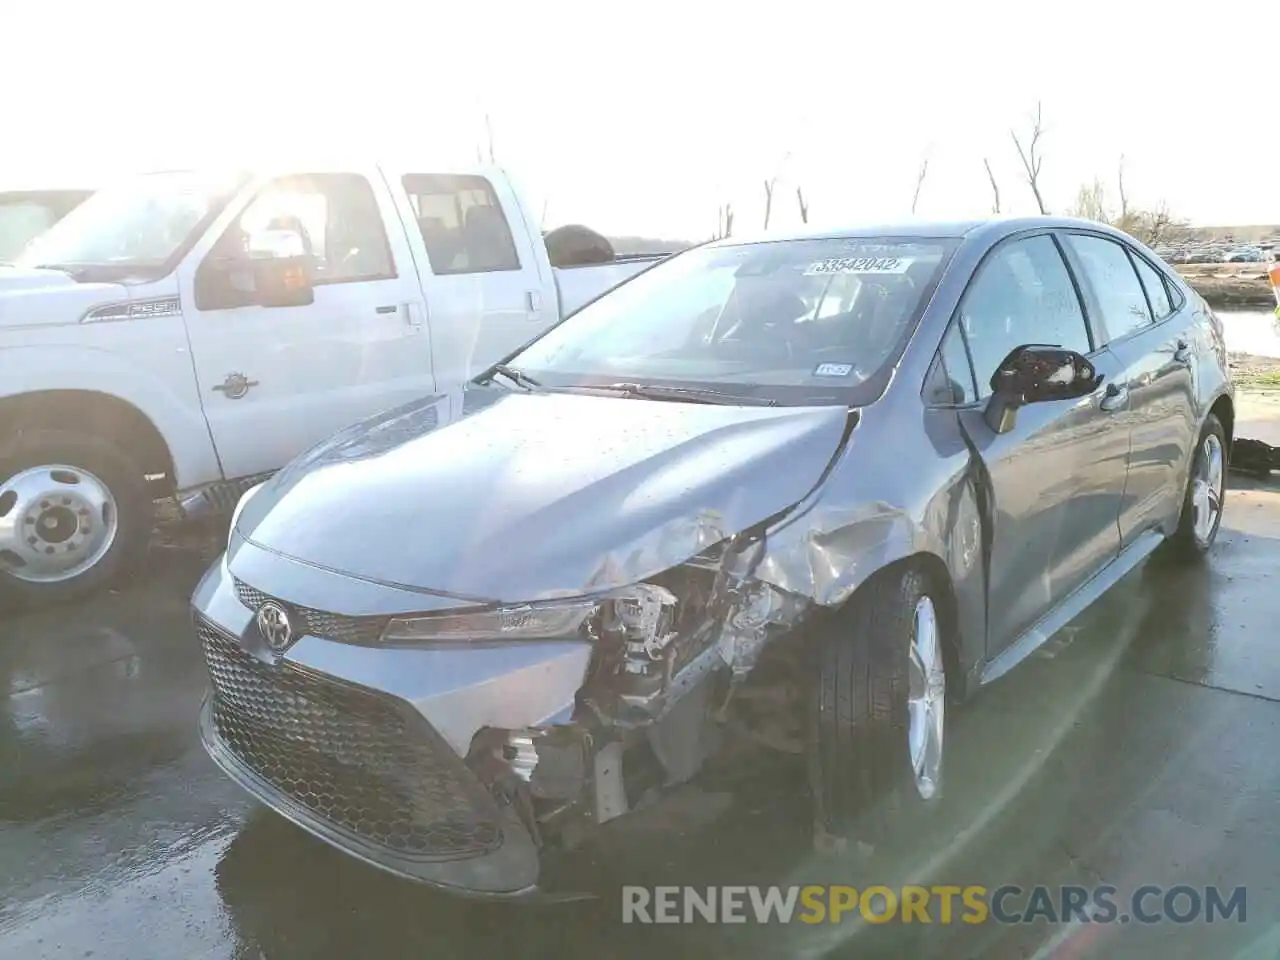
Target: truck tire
{"x":1205,"y":495}
{"x":874,"y":748}
{"x":75,"y":514}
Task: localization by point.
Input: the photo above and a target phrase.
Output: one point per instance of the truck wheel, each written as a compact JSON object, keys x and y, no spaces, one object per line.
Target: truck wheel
{"x":1206,"y":492}
{"x":75,"y":513}
{"x":878,"y":718}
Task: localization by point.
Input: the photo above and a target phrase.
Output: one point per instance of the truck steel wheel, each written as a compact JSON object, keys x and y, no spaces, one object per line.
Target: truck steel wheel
{"x":74,"y":514}
{"x":880,"y":708}
{"x":1206,"y":493}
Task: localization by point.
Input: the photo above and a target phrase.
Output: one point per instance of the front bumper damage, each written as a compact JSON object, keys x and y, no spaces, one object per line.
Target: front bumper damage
{"x":340,"y":740}
{"x":463,"y":765}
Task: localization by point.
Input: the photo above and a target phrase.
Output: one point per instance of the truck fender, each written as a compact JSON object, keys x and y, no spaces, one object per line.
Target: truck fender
{"x":179,"y":423}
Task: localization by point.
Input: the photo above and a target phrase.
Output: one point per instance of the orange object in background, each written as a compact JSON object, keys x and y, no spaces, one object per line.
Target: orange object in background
{"x":1274,"y":273}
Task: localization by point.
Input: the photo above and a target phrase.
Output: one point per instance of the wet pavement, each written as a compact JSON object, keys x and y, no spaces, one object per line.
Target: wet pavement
{"x":1140,"y":746}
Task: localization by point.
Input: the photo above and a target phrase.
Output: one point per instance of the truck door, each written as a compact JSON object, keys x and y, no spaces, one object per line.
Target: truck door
{"x":275,"y":380}
{"x":480,"y":271}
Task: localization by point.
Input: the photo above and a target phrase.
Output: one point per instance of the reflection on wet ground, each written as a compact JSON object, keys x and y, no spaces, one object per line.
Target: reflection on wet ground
{"x":1139,"y":747}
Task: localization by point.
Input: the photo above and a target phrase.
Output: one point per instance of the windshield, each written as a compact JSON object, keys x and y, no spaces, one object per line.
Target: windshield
{"x":799,"y":321}
{"x":140,"y":225}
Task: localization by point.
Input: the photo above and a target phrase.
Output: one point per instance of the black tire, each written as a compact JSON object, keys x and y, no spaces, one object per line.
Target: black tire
{"x":860,"y":765}
{"x":1184,"y":544}
{"x":128,"y":486}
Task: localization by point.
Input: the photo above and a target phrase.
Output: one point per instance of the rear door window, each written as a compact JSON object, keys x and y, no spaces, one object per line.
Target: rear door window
{"x":1155,"y":285}
{"x":1110,"y":273}
{"x":462,"y":222}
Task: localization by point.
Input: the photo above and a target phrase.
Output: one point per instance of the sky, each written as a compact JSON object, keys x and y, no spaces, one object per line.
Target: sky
{"x":645,"y":118}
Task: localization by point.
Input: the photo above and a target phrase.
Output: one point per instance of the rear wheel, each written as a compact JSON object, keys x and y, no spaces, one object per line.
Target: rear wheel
{"x":1205,"y":494}
{"x":879,"y":714}
{"x":75,"y":514}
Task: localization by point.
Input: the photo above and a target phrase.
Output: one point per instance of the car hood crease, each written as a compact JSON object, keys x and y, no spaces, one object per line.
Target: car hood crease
{"x":540,"y":495}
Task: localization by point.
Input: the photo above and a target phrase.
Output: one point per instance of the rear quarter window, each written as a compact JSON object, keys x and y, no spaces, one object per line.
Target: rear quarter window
{"x":1156,"y":285}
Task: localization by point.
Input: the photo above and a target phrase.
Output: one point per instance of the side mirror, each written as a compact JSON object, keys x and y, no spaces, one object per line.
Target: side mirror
{"x":1035,"y":373}
{"x":283,"y":281}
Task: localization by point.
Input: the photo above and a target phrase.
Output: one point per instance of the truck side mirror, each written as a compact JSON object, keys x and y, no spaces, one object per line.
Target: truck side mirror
{"x":283,"y":282}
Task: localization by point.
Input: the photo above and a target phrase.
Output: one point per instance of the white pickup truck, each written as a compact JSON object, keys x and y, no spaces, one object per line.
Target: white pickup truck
{"x":185,"y":333}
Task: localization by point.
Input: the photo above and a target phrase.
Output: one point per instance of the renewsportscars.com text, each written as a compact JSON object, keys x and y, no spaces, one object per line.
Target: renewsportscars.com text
{"x":942,"y":904}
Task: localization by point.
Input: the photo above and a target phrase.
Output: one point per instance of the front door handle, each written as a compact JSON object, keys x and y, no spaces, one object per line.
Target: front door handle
{"x":533,"y":303}
{"x":1183,"y":352}
{"x":1113,"y":398}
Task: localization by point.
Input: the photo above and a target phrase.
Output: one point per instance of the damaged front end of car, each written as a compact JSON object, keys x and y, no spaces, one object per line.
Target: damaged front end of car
{"x":557,"y":657}
{"x":671,"y":660}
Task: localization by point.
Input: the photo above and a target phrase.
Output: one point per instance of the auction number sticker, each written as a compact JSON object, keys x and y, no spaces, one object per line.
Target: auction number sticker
{"x":859,"y":265}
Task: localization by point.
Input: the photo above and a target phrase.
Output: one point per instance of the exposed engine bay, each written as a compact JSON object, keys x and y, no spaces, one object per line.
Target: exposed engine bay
{"x":681,"y":663}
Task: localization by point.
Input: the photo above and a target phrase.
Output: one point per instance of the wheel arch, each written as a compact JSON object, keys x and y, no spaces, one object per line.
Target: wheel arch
{"x":102,"y":415}
{"x":1224,"y":409}
{"x":938,"y":576}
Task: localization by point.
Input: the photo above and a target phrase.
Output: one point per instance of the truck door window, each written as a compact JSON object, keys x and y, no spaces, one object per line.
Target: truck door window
{"x":336,"y":217}
{"x":462,"y":222}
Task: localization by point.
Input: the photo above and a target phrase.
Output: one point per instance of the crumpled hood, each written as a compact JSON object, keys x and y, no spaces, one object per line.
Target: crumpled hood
{"x":539,"y":495}
{"x":30,"y":296}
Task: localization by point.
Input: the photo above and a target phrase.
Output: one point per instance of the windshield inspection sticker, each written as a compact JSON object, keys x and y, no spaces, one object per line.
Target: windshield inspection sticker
{"x":833,"y":370}
{"x":859,"y":265}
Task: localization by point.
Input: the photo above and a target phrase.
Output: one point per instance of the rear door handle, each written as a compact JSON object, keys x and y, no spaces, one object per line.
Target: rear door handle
{"x":1113,"y":398}
{"x":1183,"y":353}
{"x":533,"y":303}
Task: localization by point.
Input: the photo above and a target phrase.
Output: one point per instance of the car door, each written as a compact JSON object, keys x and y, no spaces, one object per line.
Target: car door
{"x":1056,"y":478}
{"x":480,"y":272}
{"x":275,"y":380}
{"x":1154,"y":343}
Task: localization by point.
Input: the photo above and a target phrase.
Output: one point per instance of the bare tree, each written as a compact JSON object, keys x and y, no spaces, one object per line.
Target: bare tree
{"x":804,"y":207}
{"x":1124,"y":198}
{"x":924,"y":169}
{"x":768,"y":201}
{"x":995,"y":187}
{"x":1153,"y":227}
{"x":724,"y":222}
{"x":1091,"y":202}
{"x":1031,"y":157}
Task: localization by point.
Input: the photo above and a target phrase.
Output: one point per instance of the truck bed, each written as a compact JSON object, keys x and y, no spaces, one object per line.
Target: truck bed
{"x":580,"y":285}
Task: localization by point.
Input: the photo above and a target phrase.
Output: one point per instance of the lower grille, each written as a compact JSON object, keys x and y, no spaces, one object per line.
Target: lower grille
{"x":351,"y":756}
{"x":319,"y":623}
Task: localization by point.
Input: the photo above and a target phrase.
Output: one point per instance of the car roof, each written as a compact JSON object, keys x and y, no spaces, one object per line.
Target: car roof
{"x":989,"y":229}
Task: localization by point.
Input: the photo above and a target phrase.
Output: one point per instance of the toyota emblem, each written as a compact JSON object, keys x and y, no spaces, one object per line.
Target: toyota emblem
{"x":275,"y":626}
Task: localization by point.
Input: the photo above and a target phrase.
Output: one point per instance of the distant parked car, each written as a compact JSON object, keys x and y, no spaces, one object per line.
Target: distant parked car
{"x":1245,"y":255}
{"x":25,"y":214}
{"x":849,"y":475}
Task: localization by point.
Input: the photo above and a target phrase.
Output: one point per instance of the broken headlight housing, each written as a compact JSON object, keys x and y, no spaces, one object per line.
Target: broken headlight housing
{"x":527,"y":622}
{"x":642,"y":611}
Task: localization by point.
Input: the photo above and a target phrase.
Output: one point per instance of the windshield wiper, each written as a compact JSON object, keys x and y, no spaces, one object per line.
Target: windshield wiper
{"x":518,"y":377}
{"x":655,"y":391}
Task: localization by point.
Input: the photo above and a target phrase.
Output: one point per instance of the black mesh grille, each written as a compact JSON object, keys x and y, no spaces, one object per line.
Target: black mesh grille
{"x":318,"y":623}
{"x":351,"y":756}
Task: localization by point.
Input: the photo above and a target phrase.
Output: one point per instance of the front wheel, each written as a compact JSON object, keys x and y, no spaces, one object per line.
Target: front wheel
{"x":880,"y":706}
{"x":75,"y":513}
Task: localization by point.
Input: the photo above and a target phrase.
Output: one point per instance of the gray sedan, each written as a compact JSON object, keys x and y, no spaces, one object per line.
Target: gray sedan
{"x":815,"y":489}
